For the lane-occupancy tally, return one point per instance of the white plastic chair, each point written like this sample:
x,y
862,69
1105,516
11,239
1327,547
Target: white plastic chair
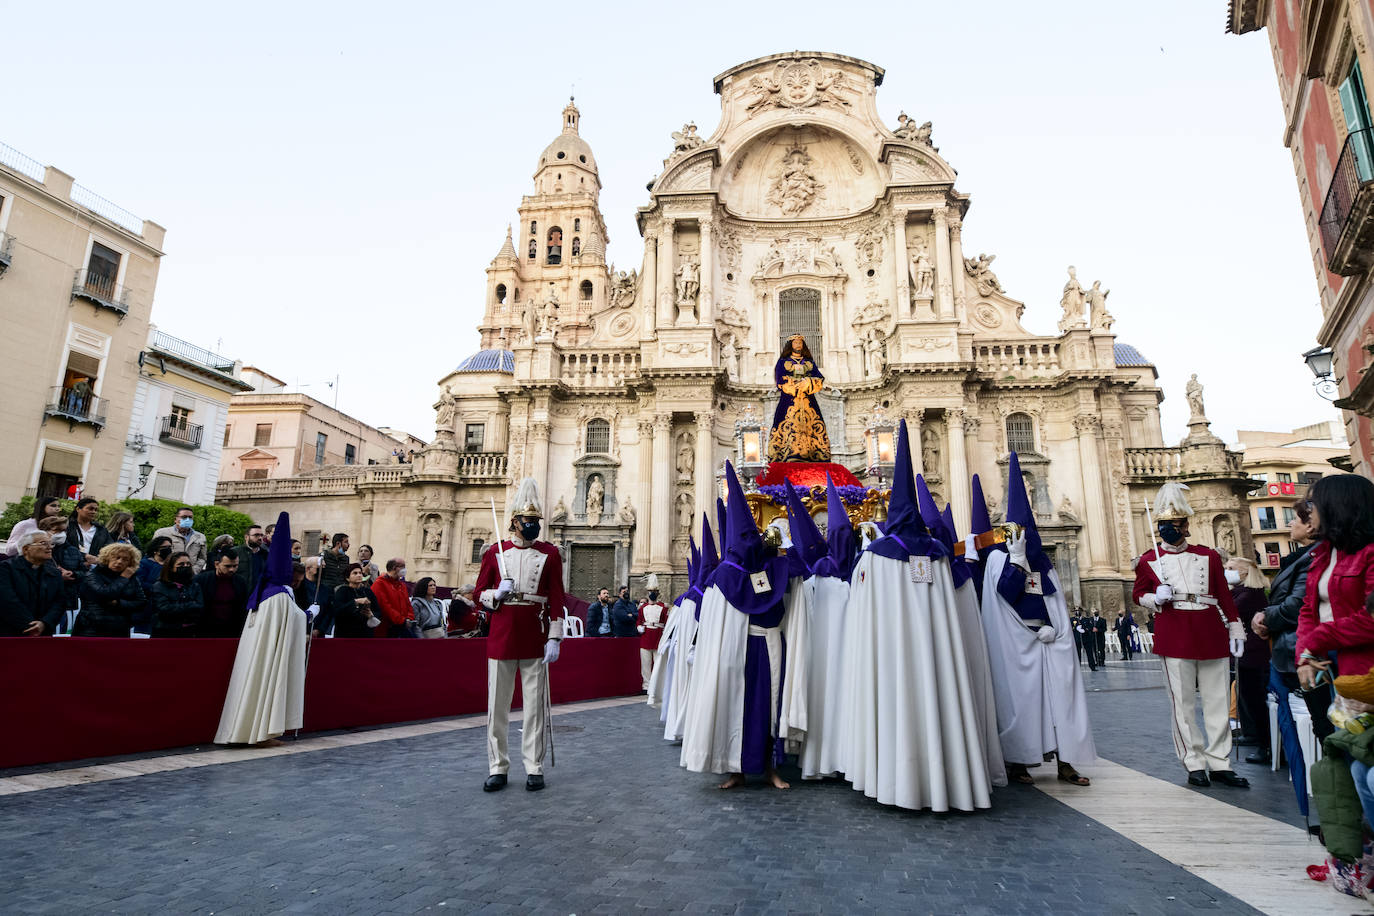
x,y
573,627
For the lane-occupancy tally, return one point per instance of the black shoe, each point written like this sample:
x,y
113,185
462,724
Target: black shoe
x,y
1265,757
495,783
534,782
1245,741
1199,778
1229,778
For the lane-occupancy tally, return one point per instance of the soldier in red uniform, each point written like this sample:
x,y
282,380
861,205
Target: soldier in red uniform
x,y
1196,627
652,615
521,584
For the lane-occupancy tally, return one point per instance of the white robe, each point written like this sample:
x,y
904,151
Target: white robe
x,y
820,755
266,696
713,726
908,705
1040,702
679,671
660,683
980,676
794,716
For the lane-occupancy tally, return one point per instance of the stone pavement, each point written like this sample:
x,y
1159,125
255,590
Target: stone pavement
x,y
394,821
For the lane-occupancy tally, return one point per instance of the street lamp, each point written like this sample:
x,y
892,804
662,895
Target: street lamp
x,y
749,452
145,470
880,437
1320,361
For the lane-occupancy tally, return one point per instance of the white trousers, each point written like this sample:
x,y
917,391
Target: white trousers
x,y
1209,747
646,665
534,680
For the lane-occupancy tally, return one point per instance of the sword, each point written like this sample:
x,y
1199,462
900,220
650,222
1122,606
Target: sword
x,y
500,554
548,712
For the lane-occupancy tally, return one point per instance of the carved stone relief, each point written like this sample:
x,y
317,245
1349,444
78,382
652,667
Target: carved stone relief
x,y
797,84
794,187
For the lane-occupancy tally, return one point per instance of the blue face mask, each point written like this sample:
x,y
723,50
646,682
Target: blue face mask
x,y
184,524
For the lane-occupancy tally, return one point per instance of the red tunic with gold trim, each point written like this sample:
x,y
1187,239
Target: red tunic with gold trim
x,y
1189,626
520,624
652,616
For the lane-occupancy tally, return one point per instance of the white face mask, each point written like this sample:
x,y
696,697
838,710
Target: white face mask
x,y
1233,577
58,539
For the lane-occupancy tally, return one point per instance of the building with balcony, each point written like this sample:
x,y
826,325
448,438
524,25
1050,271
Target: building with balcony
x,y
77,278
176,430
622,392
1287,463
1322,51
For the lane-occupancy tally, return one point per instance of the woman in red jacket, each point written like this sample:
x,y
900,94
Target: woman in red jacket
x,y
1333,617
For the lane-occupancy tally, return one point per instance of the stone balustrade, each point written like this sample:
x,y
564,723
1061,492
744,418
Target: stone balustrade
x,y
482,466
1018,358
1154,462
598,368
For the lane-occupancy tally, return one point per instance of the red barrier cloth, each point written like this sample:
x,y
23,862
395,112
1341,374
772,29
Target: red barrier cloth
x,y
806,474
74,698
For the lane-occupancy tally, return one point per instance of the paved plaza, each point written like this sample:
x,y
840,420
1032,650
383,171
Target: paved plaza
x,y
394,821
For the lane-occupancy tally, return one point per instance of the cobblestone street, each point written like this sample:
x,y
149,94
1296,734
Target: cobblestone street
x,y
397,823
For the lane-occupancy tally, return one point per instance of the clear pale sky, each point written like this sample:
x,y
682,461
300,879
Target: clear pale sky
x,y
335,178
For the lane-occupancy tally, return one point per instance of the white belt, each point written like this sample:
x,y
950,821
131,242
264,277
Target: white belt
x,y
761,631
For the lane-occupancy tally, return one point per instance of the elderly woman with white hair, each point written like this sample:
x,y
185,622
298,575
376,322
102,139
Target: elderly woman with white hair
x,y
110,595
465,618
31,594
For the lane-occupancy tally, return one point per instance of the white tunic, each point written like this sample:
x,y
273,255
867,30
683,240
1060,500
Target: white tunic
x,y
679,670
909,736
266,695
1040,702
820,755
980,678
713,726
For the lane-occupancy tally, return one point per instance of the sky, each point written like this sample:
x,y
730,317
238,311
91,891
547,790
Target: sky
x,y
335,179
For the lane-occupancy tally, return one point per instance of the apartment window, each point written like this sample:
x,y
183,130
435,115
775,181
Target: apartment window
x,y
1265,515
104,264
169,486
474,436
1307,478
1355,107
477,546
180,416
1285,477
1288,516
227,429
255,473
1271,547
350,454
320,440
262,435
77,397
598,437
1020,433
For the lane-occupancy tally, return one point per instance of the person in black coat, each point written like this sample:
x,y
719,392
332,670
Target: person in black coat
x,y
83,531
224,597
599,614
1124,626
1079,627
67,559
625,615
110,595
357,613
176,599
1097,627
32,601
1278,621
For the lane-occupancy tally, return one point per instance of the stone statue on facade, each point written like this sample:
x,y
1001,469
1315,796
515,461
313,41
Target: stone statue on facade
x,y
930,454
623,289
923,275
1072,303
686,140
627,513
1226,535
433,534
596,495
548,315
1193,392
875,352
688,277
980,270
908,130
686,445
560,512
446,410
794,188
729,356
1098,317
684,511
1067,513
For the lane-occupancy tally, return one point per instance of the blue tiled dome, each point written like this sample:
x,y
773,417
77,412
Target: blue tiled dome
x,y
1128,356
488,361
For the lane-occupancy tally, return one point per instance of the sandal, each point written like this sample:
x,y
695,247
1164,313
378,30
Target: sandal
x,y
1073,777
1018,773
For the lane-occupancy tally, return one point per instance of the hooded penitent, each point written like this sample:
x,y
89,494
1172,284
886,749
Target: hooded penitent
x,y
979,525
841,545
693,569
276,578
950,535
707,562
905,535
746,556
1030,607
807,544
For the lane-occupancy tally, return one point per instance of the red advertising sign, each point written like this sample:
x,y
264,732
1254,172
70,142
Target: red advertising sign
x,y
1273,489
1288,489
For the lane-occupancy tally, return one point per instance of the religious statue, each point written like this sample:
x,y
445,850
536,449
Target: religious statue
x,y
980,269
798,431
447,409
1099,318
930,453
627,513
1193,392
684,511
548,315
924,275
1226,535
686,140
596,495
730,356
560,512
685,458
794,188
688,284
874,352
623,289
908,130
1072,303
1067,512
433,534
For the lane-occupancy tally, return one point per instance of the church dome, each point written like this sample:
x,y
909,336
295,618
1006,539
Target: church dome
x,y
568,148
488,361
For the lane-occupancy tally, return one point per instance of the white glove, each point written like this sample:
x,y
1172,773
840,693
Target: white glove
x,y
503,591
1235,630
640,629
970,547
1163,593
1237,647
1148,601
1046,634
374,621
550,651
1016,549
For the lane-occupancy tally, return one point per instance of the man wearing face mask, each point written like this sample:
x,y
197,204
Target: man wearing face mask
x,y
186,539
521,584
1196,628
649,621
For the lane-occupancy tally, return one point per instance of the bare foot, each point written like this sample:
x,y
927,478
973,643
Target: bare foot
x,y
736,779
777,780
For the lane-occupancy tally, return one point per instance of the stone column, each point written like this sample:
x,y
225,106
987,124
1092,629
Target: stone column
x,y
539,459
644,507
661,498
901,307
705,471
944,289
1094,504
958,274
648,283
667,307
705,301
957,488
914,420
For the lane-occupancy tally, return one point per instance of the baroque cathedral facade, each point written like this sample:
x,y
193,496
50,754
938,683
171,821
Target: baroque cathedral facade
x,y
623,392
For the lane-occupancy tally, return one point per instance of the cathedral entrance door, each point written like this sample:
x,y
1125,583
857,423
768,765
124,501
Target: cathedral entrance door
x,y
591,567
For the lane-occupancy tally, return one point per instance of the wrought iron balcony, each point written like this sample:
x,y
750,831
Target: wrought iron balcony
x,y
101,291
76,405
6,252
176,431
1347,220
